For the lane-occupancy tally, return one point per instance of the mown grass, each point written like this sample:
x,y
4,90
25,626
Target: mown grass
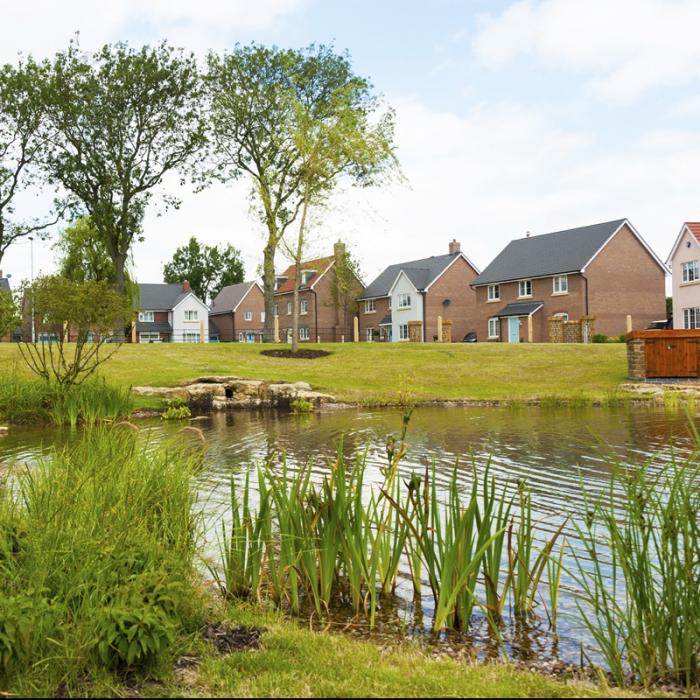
x,y
369,373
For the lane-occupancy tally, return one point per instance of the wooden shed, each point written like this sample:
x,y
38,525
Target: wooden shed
x,y
663,354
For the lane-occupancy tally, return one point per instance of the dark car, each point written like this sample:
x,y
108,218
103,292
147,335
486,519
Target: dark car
x,y
469,338
660,325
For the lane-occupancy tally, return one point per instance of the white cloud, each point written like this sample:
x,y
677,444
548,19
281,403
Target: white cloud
x,y
42,27
624,47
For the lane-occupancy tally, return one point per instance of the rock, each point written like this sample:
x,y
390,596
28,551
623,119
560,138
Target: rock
x,y
4,430
164,392
201,388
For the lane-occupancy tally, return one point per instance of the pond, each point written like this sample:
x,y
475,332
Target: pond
x,y
554,450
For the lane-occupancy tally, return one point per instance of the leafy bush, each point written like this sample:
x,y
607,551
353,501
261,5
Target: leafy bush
x,y
175,409
302,406
600,338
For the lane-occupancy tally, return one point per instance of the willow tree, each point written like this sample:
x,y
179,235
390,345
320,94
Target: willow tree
x,y
259,98
119,121
22,143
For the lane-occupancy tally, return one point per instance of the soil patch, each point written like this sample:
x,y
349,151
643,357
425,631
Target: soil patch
x,y
227,639
304,354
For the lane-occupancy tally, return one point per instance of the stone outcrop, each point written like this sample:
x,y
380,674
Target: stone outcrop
x,y
228,393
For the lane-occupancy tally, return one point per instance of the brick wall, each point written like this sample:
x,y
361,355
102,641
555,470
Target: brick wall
x,y
372,319
636,360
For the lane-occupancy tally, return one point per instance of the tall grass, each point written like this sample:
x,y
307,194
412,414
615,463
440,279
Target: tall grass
x,y
37,401
640,577
97,547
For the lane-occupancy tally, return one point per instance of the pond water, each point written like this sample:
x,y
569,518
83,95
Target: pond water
x,y
553,450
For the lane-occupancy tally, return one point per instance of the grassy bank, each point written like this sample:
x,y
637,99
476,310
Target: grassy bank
x,y
373,373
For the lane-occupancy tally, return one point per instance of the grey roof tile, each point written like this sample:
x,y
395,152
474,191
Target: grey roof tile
x,y
159,297
548,254
520,308
4,284
229,297
154,327
420,272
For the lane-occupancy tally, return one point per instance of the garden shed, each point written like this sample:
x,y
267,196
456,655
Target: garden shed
x,y
663,354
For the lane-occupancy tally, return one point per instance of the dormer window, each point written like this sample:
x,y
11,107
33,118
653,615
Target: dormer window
x,y
525,288
307,276
279,281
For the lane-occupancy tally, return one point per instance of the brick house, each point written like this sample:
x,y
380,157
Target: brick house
x,y
237,313
169,313
5,289
324,313
419,291
605,271
684,262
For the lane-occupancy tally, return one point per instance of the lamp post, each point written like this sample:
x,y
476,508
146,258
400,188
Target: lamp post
x,y
31,277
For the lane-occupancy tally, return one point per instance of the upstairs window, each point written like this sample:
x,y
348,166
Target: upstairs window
x,y
370,306
494,292
560,284
289,308
525,288
191,315
248,316
276,310
304,306
262,316
691,271
307,276
404,301
146,316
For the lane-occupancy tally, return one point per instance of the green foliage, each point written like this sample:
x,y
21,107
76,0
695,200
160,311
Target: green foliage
x,y
10,311
600,338
208,269
97,549
302,406
62,308
175,409
120,120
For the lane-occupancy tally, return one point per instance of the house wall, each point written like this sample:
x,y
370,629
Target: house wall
x,y
572,303
158,317
372,319
453,284
625,279
180,326
400,317
685,294
254,301
225,325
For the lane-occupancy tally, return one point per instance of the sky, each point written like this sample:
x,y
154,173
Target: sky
x,y
512,117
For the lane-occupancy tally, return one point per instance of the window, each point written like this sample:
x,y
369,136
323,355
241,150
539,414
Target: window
x,y
304,306
494,328
190,337
241,338
303,333
562,315
262,317
289,308
404,301
191,315
370,335
277,311
248,316
525,288
403,332
306,276
560,284
691,272
149,337
146,316
494,292
691,317
370,306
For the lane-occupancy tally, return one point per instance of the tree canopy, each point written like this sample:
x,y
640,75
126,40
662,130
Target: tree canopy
x,y
207,268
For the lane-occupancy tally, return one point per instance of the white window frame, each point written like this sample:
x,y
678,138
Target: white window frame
x,y
560,284
149,337
404,301
247,315
691,318
495,327
289,308
276,310
370,335
562,315
191,337
493,292
403,335
262,317
370,306
191,315
303,333
690,271
304,306
524,284
147,316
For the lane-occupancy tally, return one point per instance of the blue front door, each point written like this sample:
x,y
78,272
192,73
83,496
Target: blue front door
x,y
513,329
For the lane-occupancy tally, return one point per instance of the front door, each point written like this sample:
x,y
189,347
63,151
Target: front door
x,y
513,329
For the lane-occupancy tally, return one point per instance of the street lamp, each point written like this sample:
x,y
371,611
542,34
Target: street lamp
x,y
31,277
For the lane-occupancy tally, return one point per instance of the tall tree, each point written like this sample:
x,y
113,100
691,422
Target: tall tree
x,y
82,253
120,120
21,146
257,94
208,269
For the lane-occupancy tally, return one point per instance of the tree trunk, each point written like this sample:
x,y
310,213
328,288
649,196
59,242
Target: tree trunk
x,y
298,254
269,290
119,262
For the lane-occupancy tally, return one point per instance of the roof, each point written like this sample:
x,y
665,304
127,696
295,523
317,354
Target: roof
x,y
320,265
553,253
694,228
520,308
160,297
230,297
4,284
386,321
420,272
157,327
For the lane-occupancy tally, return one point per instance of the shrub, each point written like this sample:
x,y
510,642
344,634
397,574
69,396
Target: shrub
x,y
175,409
302,406
600,338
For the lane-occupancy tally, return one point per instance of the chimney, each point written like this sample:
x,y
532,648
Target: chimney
x,y
339,251
527,234
186,286
455,247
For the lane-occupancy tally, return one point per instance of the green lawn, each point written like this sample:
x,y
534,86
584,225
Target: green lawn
x,y
294,662
374,373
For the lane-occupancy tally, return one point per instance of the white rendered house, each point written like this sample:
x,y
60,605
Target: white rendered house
x,y
684,262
